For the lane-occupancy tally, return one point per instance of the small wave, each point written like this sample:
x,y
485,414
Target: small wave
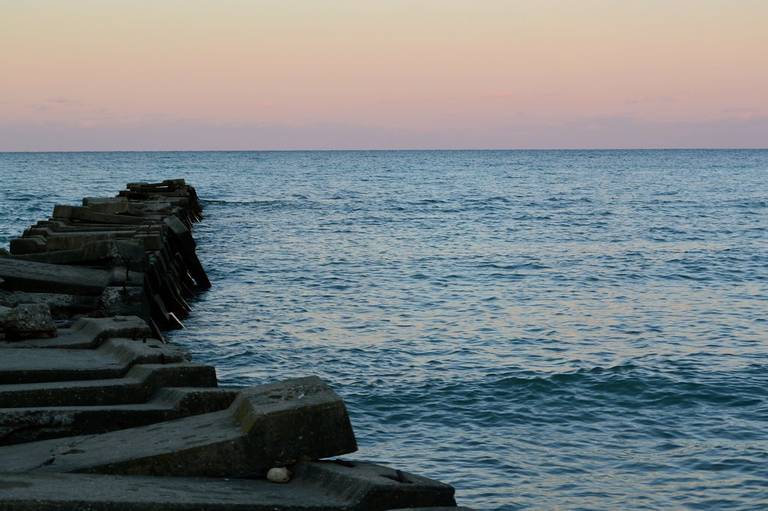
x,y
513,267
262,204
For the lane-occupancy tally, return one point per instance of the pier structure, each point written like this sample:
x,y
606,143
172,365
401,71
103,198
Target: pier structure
x,y
98,412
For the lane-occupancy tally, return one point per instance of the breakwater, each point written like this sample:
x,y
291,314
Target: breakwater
x,y
98,412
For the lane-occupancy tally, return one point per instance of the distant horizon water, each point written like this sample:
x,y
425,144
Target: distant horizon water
x,y
542,329
405,150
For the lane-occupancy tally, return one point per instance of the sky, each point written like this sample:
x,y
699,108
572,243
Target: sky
x,y
384,74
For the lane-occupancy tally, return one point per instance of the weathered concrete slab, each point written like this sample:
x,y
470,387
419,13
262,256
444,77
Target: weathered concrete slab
x,y
20,425
112,359
61,305
137,386
42,239
88,215
90,333
318,486
124,206
109,202
103,253
376,487
66,227
269,425
31,276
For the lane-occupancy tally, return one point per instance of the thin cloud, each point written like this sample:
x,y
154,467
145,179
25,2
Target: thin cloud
x,y
650,100
60,100
620,132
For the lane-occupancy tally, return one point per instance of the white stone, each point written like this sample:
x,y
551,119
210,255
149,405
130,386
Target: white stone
x,y
279,475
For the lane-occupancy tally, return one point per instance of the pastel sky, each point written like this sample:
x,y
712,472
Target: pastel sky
x,y
346,74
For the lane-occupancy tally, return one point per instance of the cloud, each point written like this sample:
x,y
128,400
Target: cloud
x,y
192,135
64,101
54,103
742,112
650,100
590,132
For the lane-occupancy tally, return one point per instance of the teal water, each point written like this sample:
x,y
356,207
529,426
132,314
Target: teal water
x,y
543,329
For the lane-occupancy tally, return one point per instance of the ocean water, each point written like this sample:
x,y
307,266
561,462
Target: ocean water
x,y
543,329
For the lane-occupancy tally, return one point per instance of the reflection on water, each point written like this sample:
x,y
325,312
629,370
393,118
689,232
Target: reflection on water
x,y
544,330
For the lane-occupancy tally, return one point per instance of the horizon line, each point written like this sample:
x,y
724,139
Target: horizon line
x,y
542,149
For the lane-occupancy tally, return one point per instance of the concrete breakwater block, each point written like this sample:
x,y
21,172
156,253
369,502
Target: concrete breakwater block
x,y
32,276
89,333
20,425
48,239
110,360
85,214
138,386
318,486
150,209
99,416
101,253
270,425
138,249
375,486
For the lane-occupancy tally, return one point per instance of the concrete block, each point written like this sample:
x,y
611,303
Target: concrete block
x,y
317,487
87,215
123,206
48,227
31,276
140,383
129,253
111,205
294,420
21,425
90,333
28,245
112,359
375,487
72,237
238,442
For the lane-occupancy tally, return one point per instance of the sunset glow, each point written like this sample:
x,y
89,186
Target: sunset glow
x,y
389,74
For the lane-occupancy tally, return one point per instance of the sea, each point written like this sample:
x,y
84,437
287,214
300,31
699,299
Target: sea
x,y
556,330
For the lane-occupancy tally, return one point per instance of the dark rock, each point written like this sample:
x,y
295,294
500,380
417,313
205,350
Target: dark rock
x,y
61,305
27,320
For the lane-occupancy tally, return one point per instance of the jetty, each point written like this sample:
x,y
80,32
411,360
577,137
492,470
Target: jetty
x,y
99,412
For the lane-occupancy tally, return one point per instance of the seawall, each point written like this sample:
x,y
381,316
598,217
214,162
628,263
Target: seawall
x,y
98,412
